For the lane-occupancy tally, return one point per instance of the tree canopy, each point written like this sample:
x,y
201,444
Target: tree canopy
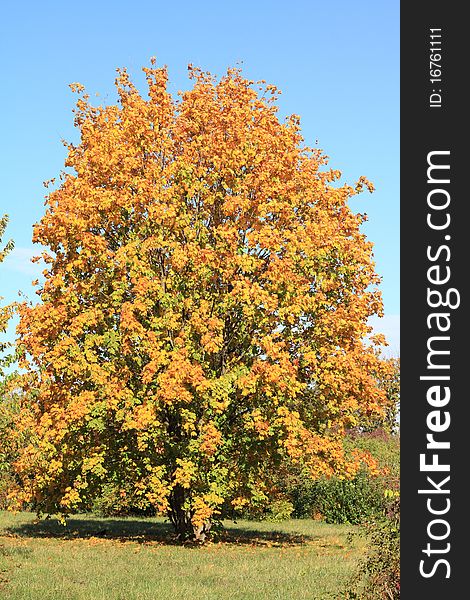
x,y
204,308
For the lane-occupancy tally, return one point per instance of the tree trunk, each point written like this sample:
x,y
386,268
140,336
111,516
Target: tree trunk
x,y
181,518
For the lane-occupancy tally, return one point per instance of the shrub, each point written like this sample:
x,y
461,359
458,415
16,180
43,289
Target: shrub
x,y
347,501
279,510
378,575
339,500
10,441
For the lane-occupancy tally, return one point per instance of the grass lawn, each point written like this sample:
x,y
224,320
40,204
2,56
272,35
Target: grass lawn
x,y
94,558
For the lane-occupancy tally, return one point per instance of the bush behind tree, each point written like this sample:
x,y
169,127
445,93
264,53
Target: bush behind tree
x,y
340,500
378,574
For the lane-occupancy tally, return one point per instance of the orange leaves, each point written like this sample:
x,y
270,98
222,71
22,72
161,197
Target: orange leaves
x,y
202,513
211,439
208,327
203,508
184,473
155,488
175,383
70,499
77,88
256,423
142,418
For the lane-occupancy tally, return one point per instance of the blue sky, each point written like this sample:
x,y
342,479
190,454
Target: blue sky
x,y
336,62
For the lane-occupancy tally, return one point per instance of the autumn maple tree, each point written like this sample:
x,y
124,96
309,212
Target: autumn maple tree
x,y
203,310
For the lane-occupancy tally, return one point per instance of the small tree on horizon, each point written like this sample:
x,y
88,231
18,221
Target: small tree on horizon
x,y
5,311
7,403
204,308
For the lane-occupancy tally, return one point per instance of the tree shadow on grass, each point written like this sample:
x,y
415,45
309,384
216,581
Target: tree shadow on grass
x,y
81,528
148,531
258,537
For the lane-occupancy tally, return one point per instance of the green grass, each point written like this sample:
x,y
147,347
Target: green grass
x,y
94,558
